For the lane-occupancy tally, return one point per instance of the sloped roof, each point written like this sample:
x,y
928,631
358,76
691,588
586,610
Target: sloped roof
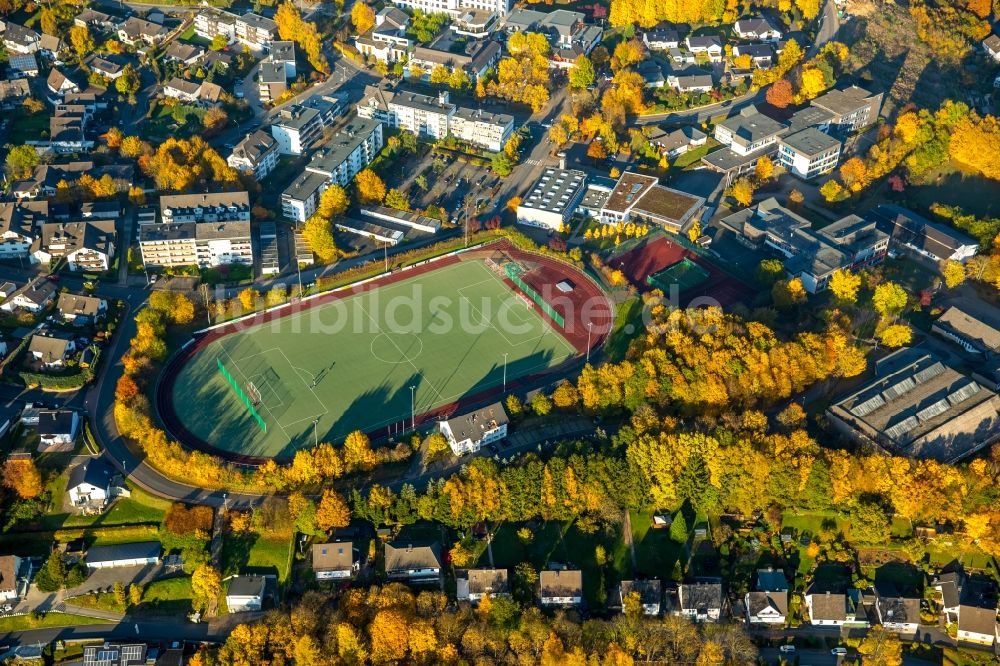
x,y
567,583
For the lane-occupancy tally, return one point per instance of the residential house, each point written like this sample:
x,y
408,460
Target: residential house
x,y
475,23
117,654
757,27
413,562
51,46
245,593
700,602
977,624
678,141
94,20
896,613
810,255
387,41
707,46
13,92
478,583
919,406
18,39
271,81
991,46
640,198
851,108
78,310
257,153
691,79
569,33
59,84
651,73
110,67
761,55
768,602
89,484
809,153
922,238
561,588
45,178
298,126
136,31
662,37
136,554
830,608
67,130
33,297
10,576
51,349
204,93
949,584
468,433
552,200
19,223
334,561
649,593
86,245
284,53
58,427
22,66
337,161
182,53
975,332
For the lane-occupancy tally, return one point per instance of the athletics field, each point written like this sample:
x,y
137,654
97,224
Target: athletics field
x,y
349,364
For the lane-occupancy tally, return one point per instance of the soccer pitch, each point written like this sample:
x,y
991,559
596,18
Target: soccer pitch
x,y
350,364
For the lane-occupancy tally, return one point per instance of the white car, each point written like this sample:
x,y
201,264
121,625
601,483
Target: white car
x,y
839,651
786,649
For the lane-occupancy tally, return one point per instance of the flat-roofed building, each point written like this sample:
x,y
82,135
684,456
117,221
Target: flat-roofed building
x,y
851,108
809,153
552,200
272,81
298,126
919,406
482,128
208,207
640,198
206,244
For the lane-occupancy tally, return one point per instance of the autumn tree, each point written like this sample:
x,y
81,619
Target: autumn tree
x,y
81,41
582,75
292,27
788,293
881,647
597,151
845,285
889,299
332,511
396,199
248,298
854,174
22,476
362,17
357,451
764,169
371,189
21,160
770,271
206,584
953,273
742,191
895,335
318,235
128,82
214,120
333,202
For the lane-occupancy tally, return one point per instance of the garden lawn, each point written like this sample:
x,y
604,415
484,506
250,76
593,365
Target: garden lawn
x,y
104,601
693,156
655,552
139,509
167,597
26,622
256,554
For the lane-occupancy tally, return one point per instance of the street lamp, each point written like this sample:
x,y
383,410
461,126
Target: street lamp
x,y
315,435
505,372
413,408
590,329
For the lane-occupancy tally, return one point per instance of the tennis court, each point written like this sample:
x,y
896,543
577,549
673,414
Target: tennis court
x,y
685,274
350,364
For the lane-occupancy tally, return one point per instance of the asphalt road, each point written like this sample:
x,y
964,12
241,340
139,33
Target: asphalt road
x,y
161,630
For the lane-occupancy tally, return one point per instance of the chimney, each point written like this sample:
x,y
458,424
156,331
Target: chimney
x,y
562,159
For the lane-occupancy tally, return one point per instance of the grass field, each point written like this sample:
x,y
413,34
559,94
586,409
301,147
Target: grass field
x,y
351,364
26,622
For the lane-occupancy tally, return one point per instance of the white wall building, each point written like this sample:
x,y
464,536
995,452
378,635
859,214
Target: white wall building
x,y
551,201
470,432
809,153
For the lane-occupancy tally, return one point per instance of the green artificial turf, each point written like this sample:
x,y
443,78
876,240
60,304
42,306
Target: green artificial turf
x,y
349,364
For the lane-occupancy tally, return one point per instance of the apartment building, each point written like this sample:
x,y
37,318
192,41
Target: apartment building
x,y
19,224
272,81
299,126
850,109
568,32
257,153
256,31
435,117
212,22
208,207
387,41
455,8
350,150
251,29
206,244
87,245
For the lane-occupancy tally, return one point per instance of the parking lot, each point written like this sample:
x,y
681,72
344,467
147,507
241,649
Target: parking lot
x,y
448,181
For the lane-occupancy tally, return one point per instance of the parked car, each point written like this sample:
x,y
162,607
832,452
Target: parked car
x,y
839,651
786,649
